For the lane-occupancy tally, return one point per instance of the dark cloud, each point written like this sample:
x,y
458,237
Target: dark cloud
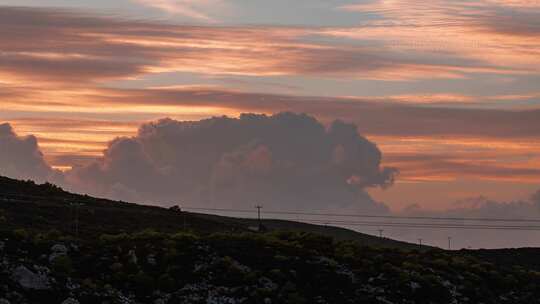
x,y
284,161
514,20
20,157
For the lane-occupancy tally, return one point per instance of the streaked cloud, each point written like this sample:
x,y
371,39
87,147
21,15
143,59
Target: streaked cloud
x,y
93,48
195,9
452,84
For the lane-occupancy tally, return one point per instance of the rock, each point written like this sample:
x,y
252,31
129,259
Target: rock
x,y
70,285
31,280
57,250
414,285
151,260
133,257
2,246
4,301
267,301
70,301
267,284
74,247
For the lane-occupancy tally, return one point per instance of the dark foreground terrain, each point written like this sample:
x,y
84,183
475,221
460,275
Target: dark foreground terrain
x,y
124,253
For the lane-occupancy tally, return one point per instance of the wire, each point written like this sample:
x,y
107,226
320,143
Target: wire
x,y
411,224
480,219
428,225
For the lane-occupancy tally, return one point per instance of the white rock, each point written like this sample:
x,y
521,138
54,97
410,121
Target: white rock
x,y
151,260
267,284
70,301
414,285
133,257
31,280
57,251
59,248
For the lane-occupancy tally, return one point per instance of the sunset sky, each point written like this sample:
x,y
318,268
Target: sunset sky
x,y
449,90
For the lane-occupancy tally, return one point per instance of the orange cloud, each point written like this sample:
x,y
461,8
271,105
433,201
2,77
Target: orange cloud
x,y
194,9
73,48
489,32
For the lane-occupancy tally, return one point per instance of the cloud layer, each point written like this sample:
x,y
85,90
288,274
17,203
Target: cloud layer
x,y
63,46
285,160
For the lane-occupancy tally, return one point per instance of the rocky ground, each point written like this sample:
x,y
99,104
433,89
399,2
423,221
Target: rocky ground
x,y
279,267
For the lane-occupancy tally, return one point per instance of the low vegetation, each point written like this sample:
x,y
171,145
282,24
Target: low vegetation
x,y
125,253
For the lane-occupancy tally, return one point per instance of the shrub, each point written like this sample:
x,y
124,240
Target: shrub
x,y
146,235
185,237
113,238
62,265
143,283
21,234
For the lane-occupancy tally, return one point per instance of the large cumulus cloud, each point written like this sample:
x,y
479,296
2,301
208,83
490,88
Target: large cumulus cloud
x,y
285,160
20,157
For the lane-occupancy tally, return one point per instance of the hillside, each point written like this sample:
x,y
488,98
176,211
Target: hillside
x,y
337,233
45,207
128,253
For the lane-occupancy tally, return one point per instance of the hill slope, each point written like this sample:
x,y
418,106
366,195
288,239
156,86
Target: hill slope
x,y
338,233
117,258
45,207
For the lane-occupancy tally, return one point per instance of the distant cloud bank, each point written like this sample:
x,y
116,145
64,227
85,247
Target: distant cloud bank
x,y
285,161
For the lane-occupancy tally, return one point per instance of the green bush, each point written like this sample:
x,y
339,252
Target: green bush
x,y
21,234
62,265
143,283
113,238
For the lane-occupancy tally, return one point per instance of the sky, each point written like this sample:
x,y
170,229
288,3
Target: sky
x,y
447,90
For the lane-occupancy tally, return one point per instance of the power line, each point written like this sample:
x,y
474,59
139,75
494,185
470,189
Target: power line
x,y
430,225
427,224
410,224
371,215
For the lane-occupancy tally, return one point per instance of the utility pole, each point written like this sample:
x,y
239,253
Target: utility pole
x,y
259,207
420,242
381,233
449,243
